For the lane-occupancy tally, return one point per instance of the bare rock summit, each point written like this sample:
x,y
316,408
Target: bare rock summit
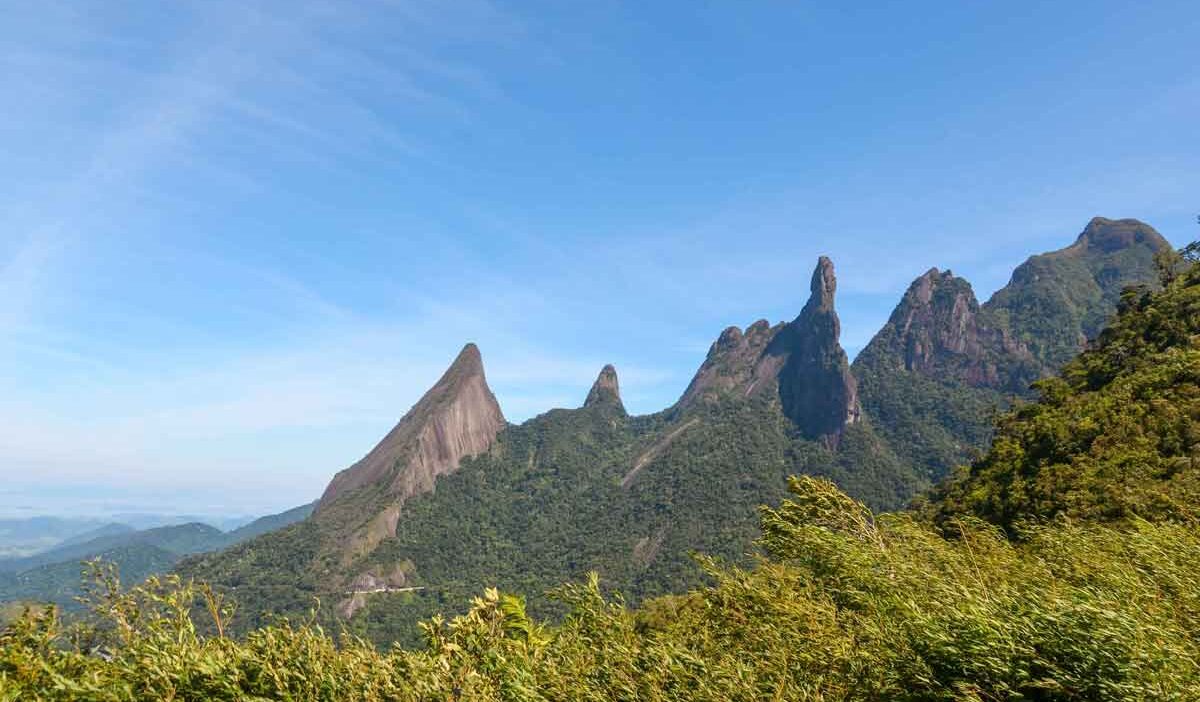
x,y
606,391
458,417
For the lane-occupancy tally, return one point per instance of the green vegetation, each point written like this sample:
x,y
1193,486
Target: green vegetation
x,y
558,497
943,366
845,606
60,582
1063,565
1058,300
53,575
933,424
1115,437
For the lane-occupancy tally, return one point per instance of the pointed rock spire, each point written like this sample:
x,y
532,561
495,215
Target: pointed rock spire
x,y
823,286
818,392
456,418
606,391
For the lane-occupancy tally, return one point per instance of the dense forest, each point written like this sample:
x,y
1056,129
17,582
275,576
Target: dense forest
x,y
1064,564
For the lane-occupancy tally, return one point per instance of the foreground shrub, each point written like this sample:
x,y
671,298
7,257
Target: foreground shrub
x,y
845,605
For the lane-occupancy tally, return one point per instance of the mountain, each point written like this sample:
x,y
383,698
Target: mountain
x,y
25,536
941,367
269,523
1057,301
572,490
1114,437
801,361
110,529
53,575
179,539
606,391
60,583
458,417
454,498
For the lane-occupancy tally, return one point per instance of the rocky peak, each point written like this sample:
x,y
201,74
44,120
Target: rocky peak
x,y
606,391
735,364
456,418
937,330
1108,235
1057,300
823,286
818,392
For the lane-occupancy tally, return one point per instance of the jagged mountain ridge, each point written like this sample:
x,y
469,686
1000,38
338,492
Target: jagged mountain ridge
x,y
802,361
941,367
590,488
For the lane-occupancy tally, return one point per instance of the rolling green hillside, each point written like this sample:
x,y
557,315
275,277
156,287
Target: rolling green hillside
x,y
54,575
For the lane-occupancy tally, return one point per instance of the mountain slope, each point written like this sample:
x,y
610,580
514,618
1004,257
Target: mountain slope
x,y
942,366
1056,301
1114,436
586,489
458,417
269,523
60,583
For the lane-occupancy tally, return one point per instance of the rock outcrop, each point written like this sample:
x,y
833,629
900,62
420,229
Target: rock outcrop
x,y
737,364
939,331
818,392
457,418
606,391
802,361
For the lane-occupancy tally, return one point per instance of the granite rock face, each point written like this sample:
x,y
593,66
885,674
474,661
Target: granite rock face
x,y
736,363
458,417
818,392
938,330
801,361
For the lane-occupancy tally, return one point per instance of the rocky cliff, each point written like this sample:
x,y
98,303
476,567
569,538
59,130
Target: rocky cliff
x,y
818,392
938,330
458,417
801,361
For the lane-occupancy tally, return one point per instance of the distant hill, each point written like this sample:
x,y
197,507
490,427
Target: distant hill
x,y
269,523
180,539
53,575
111,529
61,583
21,537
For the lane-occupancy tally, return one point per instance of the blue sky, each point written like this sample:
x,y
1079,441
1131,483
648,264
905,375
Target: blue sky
x,y
238,239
